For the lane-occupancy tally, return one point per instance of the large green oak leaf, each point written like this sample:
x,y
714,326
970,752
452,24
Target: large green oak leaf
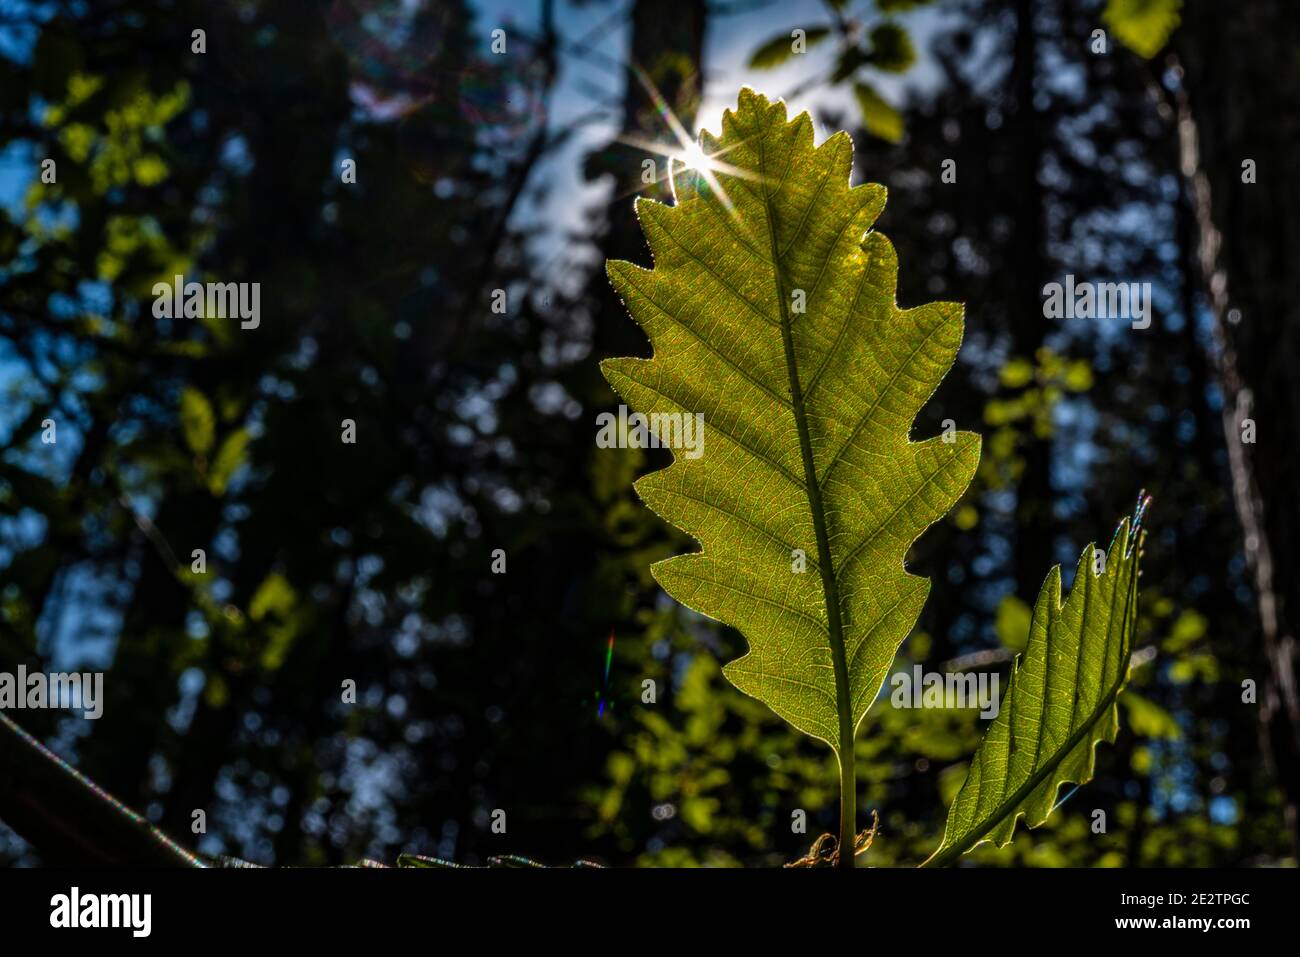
x,y
771,310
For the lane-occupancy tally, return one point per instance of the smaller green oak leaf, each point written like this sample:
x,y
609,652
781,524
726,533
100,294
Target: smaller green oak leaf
x,y
1060,702
771,311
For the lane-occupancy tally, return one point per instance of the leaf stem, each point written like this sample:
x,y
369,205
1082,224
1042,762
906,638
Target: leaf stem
x,y
847,847
830,589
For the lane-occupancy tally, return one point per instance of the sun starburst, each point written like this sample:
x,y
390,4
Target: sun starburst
x,y
686,150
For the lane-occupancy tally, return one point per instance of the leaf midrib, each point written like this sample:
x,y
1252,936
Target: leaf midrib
x,y
830,588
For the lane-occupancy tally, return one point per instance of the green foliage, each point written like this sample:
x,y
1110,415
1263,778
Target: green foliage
x,y
1012,624
1024,411
120,152
781,47
886,48
1060,703
197,421
229,459
878,117
891,48
1148,719
1144,26
732,771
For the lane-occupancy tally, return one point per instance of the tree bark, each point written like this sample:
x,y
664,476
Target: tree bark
x,y
1035,527
1230,109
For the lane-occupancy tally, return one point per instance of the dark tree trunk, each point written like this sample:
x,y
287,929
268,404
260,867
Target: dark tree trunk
x,y
1034,522
669,49
1232,109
